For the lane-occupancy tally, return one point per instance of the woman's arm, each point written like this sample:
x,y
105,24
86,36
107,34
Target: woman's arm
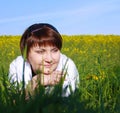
x,y
47,80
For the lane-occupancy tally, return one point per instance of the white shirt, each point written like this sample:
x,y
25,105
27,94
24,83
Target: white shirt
x,y
72,76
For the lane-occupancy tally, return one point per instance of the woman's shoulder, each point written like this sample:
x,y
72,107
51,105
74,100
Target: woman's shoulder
x,y
17,60
66,59
69,64
70,67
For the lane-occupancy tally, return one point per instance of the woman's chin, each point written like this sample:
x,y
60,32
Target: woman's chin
x,y
47,72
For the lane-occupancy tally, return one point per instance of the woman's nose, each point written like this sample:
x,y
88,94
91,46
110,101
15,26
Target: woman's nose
x,y
48,57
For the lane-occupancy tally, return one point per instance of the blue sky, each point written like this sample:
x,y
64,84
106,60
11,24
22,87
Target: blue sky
x,y
71,17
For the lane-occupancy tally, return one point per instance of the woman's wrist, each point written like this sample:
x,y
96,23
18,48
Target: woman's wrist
x,y
45,80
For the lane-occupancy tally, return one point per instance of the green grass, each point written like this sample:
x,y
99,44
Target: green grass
x,y
98,61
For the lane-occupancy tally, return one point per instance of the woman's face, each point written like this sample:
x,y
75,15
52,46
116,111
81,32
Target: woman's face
x,y
44,58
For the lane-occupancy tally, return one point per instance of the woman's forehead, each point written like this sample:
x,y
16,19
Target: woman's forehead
x,y
44,46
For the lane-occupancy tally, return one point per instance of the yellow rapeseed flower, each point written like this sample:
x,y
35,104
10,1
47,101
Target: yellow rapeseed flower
x,y
95,77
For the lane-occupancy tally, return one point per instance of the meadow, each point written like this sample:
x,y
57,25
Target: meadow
x,y
97,58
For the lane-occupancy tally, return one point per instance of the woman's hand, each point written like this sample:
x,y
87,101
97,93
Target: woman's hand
x,y
52,79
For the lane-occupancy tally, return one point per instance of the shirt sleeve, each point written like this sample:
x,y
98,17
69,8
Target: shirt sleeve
x,y
71,82
15,70
12,72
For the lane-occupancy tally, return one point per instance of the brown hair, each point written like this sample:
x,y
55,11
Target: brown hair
x,y
40,34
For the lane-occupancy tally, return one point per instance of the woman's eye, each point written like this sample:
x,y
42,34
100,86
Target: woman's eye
x,y
55,50
40,52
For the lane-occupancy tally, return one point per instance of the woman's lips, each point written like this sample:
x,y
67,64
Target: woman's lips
x,y
47,66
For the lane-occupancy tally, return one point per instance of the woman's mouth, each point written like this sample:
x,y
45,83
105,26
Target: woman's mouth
x,y
48,66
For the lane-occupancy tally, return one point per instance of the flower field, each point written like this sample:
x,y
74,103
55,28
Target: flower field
x,y
97,58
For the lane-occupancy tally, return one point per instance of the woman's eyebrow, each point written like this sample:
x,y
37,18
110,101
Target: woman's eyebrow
x,y
41,49
54,48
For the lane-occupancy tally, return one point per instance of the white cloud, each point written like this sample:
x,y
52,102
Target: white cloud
x,y
88,10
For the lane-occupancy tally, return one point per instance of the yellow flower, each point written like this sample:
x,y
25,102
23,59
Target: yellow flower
x,y
95,77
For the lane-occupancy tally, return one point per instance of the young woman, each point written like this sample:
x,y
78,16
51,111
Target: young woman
x,y
40,47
